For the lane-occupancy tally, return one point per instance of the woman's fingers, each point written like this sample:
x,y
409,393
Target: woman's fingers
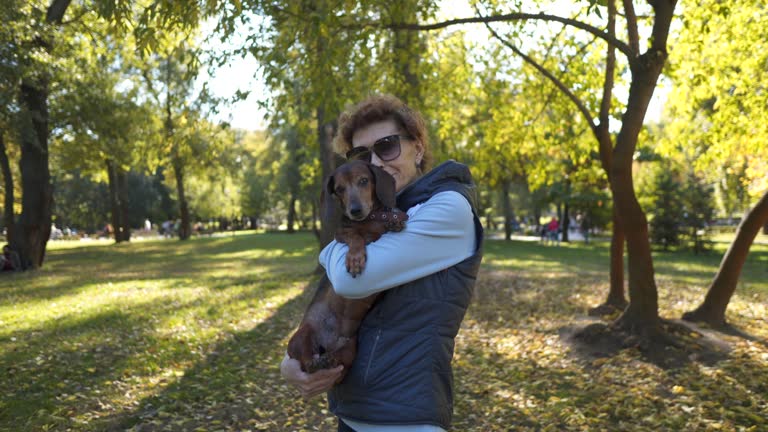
x,y
309,385
319,382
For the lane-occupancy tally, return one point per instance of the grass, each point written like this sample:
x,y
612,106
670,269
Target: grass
x,y
164,335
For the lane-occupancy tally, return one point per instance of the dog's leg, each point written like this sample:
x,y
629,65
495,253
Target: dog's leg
x,y
302,346
356,255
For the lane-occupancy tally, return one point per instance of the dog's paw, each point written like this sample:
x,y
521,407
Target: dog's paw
x,y
355,263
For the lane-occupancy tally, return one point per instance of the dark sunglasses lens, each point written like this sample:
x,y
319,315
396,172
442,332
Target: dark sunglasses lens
x,y
359,153
387,148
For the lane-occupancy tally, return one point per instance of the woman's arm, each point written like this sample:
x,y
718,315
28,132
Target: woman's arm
x,y
439,233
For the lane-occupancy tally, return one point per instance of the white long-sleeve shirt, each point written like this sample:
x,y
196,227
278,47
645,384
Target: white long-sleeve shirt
x,y
439,234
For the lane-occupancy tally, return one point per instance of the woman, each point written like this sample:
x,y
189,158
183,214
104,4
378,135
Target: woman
x,y
401,380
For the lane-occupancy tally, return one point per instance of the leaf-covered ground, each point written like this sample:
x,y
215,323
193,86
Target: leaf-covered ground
x,y
163,335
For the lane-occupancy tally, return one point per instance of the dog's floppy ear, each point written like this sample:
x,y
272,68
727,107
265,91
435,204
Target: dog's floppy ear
x,y
385,186
328,203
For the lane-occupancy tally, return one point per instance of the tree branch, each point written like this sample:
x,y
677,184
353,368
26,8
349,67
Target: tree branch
x,y
149,80
56,10
604,141
634,39
621,46
77,18
559,84
552,93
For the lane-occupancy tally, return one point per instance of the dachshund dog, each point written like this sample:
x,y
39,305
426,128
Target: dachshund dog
x,y
365,196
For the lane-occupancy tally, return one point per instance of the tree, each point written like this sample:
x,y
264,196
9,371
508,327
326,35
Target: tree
x,y
187,141
645,65
716,106
586,102
665,204
256,179
303,44
698,209
81,202
37,32
100,130
9,73
38,40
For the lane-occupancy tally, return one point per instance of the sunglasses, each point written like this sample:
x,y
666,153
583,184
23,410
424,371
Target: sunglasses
x,y
387,149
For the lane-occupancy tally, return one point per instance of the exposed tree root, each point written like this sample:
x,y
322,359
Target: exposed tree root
x,y
667,344
607,309
704,316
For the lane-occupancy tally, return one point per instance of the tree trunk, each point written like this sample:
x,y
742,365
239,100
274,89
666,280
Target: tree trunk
x,y
33,230
178,168
407,49
325,132
616,296
566,224
642,314
315,227
293,177
5,167
122,197
507,205
114,201
178,171
34,227
712,310
291,213
616,299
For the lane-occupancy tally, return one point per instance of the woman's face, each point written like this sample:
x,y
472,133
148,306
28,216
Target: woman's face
x,y
404,167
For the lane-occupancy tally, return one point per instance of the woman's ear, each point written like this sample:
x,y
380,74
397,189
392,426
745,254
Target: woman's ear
x,y
419,152
385,186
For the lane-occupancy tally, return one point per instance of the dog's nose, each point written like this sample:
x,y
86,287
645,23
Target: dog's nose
x,y
356,210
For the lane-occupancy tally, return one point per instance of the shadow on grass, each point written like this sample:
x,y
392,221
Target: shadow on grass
x,y
43,384
123,348
237,386
510,299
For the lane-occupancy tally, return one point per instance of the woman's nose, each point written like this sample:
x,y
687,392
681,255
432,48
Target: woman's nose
x,y
376,161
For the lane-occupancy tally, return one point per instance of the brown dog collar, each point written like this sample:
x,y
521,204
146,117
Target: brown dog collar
x,y
394,219
388,215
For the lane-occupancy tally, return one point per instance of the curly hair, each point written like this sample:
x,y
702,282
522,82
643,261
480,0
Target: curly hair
x,y
379,108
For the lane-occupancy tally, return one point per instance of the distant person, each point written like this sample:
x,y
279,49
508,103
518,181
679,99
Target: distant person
x,y
166,229
55,232
9,260
585,228
147,225
553,229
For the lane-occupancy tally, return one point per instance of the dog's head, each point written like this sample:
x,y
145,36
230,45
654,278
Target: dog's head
x,y
358,188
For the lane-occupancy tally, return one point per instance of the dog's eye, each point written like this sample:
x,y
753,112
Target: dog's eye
x,y
339,190
363,181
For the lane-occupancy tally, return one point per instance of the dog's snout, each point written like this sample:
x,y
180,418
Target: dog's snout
x,y
356,210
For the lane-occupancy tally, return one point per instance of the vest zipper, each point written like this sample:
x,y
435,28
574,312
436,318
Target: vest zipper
x,y
370,359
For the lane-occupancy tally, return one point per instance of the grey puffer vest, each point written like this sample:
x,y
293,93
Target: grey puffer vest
x,y
402,373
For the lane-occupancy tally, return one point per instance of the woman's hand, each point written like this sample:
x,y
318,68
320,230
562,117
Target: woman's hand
x,y
309,385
